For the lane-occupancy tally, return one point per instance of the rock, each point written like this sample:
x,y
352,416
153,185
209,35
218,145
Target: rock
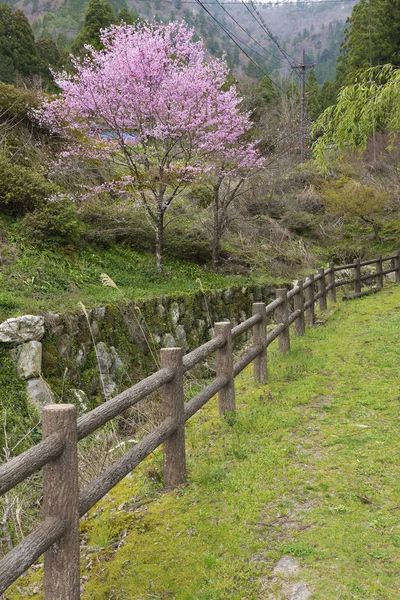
x,y
22,329
81,356
79,397
169,341
300,592
104,358
40,392
181,337
64,346
287,565
29,362
117,363
174,312
100,313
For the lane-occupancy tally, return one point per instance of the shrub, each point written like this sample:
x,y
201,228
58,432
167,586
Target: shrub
x,y
21,189
187,244
56,222
300,222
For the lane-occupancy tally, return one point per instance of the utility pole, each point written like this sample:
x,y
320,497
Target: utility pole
x,y
303,69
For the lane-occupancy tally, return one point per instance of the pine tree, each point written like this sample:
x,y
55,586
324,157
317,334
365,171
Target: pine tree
x,y
99,15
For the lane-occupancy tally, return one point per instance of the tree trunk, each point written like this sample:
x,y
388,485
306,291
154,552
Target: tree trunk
x,y
160,242
216,238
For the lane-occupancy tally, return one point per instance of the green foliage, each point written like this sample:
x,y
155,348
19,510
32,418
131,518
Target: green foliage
x,y
300,222
49,52
20,55
373,37
22,189
17,417
371,104
56,222
313,106
99,15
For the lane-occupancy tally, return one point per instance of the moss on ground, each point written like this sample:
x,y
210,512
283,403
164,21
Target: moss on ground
x,y
307,466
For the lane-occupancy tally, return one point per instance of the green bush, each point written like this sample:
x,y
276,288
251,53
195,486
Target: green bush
x,y
187,244
21,189
56,222
300,222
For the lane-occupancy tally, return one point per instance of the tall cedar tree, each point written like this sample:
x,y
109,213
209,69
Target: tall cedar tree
x,y
313,106
372,39
99,15
18,51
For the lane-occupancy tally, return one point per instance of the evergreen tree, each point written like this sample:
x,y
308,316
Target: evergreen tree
x,y
7,69
18,51
313,106
328,94
267,91
127,17
373,38
48,51
99,15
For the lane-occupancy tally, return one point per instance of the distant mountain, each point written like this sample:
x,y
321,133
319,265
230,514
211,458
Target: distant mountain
x,y
318,27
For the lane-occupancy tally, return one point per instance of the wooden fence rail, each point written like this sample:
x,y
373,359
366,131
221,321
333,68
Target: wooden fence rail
x,y
57,537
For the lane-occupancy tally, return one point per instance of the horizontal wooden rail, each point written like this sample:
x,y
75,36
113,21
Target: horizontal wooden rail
x,y
198,401
247,359
99,416
193,358
57,453
345,267
245,325
19,468
26,553
294,315
103,483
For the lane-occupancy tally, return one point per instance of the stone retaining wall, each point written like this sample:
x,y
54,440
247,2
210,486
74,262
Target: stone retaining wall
x,y
61,355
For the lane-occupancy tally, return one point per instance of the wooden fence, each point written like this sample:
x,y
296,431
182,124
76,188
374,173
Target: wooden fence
x,y
57,537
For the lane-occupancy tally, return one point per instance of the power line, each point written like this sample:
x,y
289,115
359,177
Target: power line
x,y
230,35
221,4
269,33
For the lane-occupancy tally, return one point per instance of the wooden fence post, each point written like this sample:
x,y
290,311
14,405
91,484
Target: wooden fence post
x,y
322,289
260,337
173,405
357,276
298,302
397,267
224,365
379,272
332,283
61,500
309,296
282,316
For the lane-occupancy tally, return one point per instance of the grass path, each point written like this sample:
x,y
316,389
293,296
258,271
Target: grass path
x,y
308,466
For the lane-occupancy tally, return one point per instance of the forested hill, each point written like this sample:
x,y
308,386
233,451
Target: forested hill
x,y
316,26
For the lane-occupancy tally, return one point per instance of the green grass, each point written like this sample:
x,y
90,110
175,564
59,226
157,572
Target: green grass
x,y
39,280
308,466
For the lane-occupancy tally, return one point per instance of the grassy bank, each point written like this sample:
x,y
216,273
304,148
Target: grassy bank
x,y
308,466
35,281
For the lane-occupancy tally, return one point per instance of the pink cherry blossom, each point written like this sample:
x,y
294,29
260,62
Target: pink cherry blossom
x,y
154,102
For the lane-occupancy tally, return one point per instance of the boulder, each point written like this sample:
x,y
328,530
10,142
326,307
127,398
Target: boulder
x,y
22,329
29,361
40,392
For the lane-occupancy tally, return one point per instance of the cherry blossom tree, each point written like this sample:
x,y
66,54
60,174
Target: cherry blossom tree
x,y
152,102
